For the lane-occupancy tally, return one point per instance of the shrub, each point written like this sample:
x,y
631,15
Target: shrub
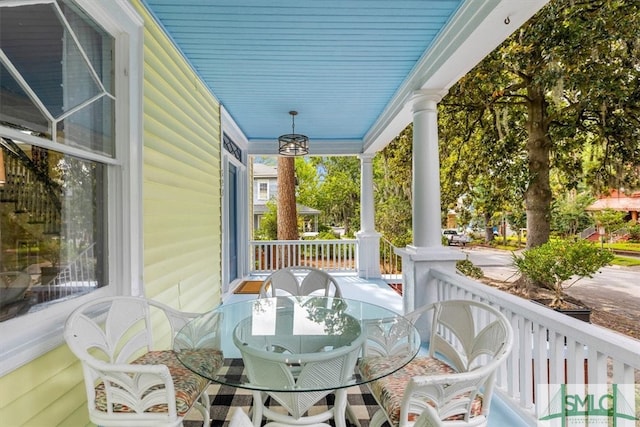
x,y
550,265
467,268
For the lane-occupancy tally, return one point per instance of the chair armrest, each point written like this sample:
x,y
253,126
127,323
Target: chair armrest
x,y
449,378
177,319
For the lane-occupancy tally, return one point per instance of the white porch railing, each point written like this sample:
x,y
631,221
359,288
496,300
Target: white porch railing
x,y
390,262
330,255
550,347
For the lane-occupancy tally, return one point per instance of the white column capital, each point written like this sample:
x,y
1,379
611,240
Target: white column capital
x,y
427,99
366,157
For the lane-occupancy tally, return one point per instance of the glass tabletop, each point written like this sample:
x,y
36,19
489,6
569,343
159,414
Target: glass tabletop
x,y
276,344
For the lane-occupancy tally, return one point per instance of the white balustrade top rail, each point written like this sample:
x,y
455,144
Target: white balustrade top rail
x,y
550,347
330,255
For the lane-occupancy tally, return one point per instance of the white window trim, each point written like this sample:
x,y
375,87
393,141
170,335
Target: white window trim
x,y
24,338
232,130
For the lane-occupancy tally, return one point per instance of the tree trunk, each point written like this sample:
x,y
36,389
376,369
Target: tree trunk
x,y
287,215
488,228
538,193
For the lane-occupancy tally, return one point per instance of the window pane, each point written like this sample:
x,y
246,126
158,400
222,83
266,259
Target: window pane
x,y
67,68
52,216
17,109
31,37
263,190
90,128
95,42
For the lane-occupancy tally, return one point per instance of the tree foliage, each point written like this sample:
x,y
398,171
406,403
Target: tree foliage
x,y
610,220
339,191
561,93
392,177
569,216
268,229
553,263
307,182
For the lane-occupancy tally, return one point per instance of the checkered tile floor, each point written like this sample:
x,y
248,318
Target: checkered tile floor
x,y
225,398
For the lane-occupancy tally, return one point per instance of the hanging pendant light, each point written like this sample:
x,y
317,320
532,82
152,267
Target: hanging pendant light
x,y
293,144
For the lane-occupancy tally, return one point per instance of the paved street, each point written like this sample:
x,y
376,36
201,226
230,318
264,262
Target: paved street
x,y
614,288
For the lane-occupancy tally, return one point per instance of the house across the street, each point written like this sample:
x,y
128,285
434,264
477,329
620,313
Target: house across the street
x,y
265,188
621,202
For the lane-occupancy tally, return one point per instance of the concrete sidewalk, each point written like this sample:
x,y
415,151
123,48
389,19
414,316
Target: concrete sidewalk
x,y
495,264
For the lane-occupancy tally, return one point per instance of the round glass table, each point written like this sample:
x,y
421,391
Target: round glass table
x,y
277,344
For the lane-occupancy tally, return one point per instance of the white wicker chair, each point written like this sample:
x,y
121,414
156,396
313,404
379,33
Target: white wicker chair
x,y
299,281
453,385
127,381
317,371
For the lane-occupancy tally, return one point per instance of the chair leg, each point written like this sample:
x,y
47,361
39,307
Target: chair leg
x,y
351,416
204,406
339,408
257,408
378,419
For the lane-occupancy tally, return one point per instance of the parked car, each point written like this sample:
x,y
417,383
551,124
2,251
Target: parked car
x,y
453,237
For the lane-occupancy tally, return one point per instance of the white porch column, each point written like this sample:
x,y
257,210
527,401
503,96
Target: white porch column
x,y
368,238
426,170
427,250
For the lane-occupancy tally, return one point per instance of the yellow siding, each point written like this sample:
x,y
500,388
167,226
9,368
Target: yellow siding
x,y
181,220
46,392
181,190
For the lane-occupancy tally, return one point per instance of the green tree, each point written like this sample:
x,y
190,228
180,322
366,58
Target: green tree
x,y
634,233
268,228
308,182
568,213
609,219
392,177
517,219
339,191
566,83
482,163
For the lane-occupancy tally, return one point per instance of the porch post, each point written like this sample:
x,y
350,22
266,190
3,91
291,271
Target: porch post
x,y
426,170
368,239
427,250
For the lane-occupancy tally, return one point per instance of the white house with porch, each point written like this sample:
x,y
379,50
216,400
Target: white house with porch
x,y
128,126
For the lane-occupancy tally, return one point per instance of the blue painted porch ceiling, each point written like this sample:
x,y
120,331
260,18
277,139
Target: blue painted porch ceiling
x,y
337,62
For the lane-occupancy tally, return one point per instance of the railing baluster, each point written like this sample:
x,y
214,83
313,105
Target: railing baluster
x,y
596,368
540,357
526,368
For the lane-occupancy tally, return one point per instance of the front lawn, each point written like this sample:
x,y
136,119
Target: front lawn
x,y
624,246
626,261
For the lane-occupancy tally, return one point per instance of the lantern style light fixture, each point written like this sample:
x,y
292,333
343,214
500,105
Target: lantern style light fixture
x,y
293,144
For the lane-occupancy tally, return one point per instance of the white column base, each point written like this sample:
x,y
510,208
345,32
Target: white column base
x,y
368,254
416,263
